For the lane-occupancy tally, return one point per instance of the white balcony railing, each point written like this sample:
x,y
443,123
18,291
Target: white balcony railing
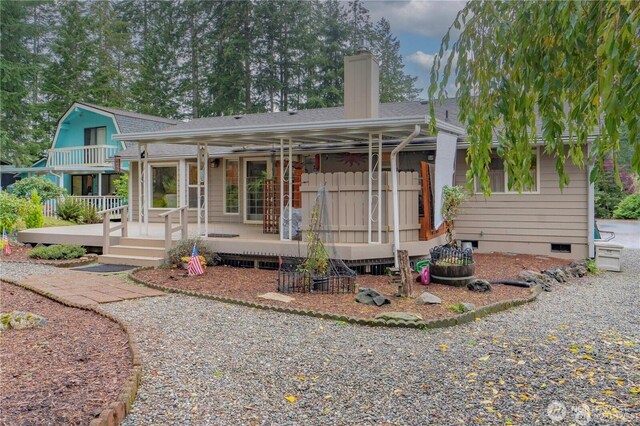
x,y
99,202
92,155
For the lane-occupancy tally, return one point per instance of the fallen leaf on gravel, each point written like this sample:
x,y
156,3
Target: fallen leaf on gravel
x,y
290,398
635,391
484,358
443,347
587,357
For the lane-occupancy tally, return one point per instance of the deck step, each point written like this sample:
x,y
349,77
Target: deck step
x,y
142,242
130,250
144,261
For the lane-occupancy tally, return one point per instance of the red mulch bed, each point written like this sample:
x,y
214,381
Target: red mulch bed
x,y
63,373
247,284
21,254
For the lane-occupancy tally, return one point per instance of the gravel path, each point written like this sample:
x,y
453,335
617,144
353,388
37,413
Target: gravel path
x,y
576,350
17,271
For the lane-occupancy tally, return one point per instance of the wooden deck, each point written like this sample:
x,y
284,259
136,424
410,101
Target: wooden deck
x,y
250,241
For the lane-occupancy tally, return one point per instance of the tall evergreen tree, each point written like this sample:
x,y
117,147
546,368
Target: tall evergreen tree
x,y
67,78
395,85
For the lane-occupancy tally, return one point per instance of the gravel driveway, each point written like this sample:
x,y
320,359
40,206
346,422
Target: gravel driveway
x,y
572,356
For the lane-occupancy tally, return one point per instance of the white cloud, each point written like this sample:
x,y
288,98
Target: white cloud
x,y
427,18
425,62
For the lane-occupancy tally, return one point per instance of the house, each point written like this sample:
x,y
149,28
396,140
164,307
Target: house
x,y
353,152
81,157
247,185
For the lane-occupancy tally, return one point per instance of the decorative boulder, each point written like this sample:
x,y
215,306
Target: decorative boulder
x,y
404,316
369,296
468,306
428,299
479,285
18,320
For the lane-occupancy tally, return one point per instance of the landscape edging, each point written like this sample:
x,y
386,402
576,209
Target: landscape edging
x,y
459,319
116,410
70,264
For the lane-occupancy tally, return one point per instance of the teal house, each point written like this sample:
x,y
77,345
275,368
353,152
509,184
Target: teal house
x,y
81,157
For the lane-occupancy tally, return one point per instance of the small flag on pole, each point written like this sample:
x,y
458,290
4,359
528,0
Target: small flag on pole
x,y
6,248
194,267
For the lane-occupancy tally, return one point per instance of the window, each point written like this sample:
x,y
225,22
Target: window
x,y
108,183
164,186
231,186
256,173
95,136
82,185
192,186
499,178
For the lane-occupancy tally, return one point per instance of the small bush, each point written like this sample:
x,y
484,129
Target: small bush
x,y
629,208
184,248
34,218
46,188
58,251
12,209
89,214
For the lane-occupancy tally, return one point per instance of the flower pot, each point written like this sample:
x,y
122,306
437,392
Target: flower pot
x,y
455,275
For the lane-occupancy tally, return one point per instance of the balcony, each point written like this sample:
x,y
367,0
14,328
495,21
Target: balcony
x,y
93,155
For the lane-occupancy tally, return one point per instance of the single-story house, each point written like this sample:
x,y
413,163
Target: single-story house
x,y
247,183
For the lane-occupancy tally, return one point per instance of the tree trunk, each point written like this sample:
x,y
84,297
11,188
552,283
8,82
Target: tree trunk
x,y
406,279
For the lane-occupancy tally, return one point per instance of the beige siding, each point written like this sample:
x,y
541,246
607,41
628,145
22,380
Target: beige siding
x,y
528,223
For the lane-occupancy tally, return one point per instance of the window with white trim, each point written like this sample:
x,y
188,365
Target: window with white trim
x,y
164,186
499,178
193,185
231,186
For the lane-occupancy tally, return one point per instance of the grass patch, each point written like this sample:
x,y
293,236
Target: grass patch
x,y
52,221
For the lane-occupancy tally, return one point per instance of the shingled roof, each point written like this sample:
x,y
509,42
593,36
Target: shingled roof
x,y
131,122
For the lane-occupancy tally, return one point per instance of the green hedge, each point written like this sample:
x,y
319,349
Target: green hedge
x,y
58,251
629,208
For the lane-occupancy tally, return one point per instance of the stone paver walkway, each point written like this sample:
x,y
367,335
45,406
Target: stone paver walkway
x,y
86,288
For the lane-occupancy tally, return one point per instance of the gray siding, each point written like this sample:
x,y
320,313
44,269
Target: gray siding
x,y
528,223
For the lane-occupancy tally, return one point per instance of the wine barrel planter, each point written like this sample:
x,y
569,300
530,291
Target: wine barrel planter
x,y
455,275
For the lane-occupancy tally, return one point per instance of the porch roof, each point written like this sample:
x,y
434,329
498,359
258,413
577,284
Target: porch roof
x,y
66,169
319,126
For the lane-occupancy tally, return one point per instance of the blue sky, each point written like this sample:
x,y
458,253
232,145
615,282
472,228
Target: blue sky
x,y
420,26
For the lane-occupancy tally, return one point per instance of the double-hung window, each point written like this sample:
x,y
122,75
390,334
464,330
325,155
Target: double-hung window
x,y
499,178
231,186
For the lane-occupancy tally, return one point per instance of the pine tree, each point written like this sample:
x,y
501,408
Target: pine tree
x,y
395,85
67,77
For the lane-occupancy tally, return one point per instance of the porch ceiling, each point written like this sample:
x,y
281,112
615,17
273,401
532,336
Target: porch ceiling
x,y
328,132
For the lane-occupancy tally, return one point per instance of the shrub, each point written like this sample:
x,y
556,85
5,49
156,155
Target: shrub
x,y
607,194
122,187
12,208
629,208
185,247
58,251
34,218
45,188
452,199
70,209
76,211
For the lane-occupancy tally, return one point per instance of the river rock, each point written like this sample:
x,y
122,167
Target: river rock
x,y
369,296
479,285
404,316
19,320
428,299
468,306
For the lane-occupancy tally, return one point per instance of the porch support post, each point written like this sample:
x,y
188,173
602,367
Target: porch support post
x,y
280,225
374,175
394,188
145,188
290,176
199,169
591,215
205,186
100,184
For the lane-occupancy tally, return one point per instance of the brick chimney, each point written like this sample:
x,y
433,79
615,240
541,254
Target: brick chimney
x,y
361,86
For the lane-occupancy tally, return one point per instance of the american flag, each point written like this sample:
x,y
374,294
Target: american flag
x,y
6,248
194,267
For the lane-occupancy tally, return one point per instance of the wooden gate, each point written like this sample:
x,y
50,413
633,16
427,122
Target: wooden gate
x,y
426,217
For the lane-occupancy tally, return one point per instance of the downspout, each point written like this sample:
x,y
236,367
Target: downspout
x,y
394,188
591,215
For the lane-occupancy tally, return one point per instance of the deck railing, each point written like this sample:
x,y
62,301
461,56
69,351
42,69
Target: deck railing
x,y
92,155
107,229
99,202
169,229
